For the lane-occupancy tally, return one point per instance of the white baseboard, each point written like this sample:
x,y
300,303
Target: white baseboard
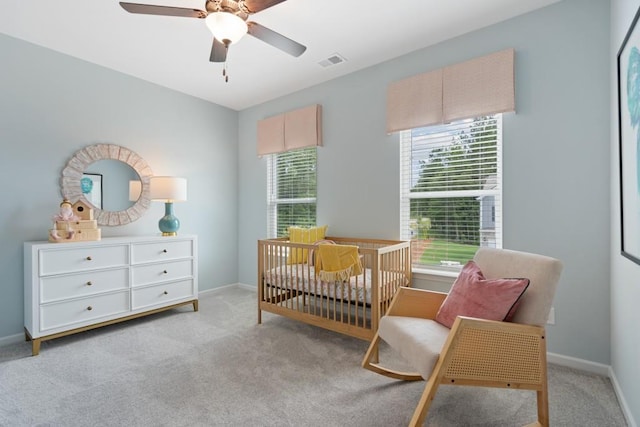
x,y
11,339
599,369
214,290
233,285
581,364
621,400
247,287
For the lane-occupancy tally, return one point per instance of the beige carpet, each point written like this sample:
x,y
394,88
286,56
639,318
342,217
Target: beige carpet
x,y
217,367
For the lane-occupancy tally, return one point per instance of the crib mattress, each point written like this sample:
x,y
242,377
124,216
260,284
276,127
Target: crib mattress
x,y
302,278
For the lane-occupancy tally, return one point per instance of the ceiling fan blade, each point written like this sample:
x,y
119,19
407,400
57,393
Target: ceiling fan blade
x,y
254,6
149,9
275,39
218,51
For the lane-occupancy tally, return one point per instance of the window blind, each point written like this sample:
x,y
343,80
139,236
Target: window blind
x,y
451,190
291,190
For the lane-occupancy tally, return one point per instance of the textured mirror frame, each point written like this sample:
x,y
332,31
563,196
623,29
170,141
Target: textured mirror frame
x,y
72,174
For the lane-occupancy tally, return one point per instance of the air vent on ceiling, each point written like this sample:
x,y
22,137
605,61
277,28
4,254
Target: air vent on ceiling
x,y
334,59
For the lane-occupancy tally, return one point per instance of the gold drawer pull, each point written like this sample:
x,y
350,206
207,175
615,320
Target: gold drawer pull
x,y
89,258
89,308
89,283
166,293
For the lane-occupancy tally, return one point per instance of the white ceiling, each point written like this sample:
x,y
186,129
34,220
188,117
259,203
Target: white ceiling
x,y
174,52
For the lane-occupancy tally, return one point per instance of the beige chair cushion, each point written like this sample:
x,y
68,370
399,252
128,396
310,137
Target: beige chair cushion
x,y
543,273
419,341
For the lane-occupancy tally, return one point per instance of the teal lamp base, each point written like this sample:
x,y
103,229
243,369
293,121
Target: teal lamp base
x,y
169,224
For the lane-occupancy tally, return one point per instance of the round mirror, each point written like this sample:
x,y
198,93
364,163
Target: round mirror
x,y
111,192
106,176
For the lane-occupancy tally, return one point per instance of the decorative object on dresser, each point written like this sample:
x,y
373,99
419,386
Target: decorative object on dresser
x,y
116,166
84,285
168,189
74,223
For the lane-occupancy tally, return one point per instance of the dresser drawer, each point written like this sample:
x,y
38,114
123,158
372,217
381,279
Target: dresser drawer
x,y
83,284
162,251
81,311
161,272
65,260
162,294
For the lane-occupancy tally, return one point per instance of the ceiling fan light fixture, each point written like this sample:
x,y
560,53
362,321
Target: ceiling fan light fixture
x,y
226,26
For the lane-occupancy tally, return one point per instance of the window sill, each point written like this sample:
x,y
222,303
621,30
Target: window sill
x,y
427,273
433,279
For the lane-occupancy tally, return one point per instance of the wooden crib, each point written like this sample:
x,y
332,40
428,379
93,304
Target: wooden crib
x,y
351,307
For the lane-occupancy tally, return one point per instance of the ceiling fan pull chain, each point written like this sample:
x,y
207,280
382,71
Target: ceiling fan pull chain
x,y
224,67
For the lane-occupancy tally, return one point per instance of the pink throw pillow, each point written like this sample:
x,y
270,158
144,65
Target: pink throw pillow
x,y
474,296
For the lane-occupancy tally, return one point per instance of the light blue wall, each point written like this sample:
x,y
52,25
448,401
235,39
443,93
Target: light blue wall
x,y
559,170
625,277
556,151
52,105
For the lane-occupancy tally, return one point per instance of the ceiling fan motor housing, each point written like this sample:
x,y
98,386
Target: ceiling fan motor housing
x,y
237,8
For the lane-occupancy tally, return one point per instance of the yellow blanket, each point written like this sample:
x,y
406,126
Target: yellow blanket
x,y
337,262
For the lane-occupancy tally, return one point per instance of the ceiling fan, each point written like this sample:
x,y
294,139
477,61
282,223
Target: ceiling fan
x,y
227,20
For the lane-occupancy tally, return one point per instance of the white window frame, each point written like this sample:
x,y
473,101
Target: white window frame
x,y
406,195
272,197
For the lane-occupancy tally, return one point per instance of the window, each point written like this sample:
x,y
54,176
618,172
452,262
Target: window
x,y
451,191
291,190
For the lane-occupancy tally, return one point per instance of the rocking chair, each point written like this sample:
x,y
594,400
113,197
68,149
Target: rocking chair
x,y
474,352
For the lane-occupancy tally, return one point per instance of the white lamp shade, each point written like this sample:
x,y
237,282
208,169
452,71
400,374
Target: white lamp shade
x,y
135,188
226,26
168,188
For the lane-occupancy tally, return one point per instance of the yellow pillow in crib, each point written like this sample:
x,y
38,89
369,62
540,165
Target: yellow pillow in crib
x,y
304,235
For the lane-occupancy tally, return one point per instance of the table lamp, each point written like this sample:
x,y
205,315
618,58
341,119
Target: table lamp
x,y
168,189
135,189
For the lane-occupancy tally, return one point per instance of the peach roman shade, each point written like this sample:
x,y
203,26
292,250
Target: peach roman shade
x,y
289,131
271,135
415,101
480,86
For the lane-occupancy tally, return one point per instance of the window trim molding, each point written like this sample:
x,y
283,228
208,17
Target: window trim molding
x,y
272,199
406,195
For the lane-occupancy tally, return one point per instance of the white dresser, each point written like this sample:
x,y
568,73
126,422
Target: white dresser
x,y
73,287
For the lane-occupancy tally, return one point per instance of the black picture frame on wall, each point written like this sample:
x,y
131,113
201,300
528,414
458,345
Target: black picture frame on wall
x,y
628,65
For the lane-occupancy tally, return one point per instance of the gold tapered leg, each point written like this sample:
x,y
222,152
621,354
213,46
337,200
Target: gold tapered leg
x,y
195,305
35,347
